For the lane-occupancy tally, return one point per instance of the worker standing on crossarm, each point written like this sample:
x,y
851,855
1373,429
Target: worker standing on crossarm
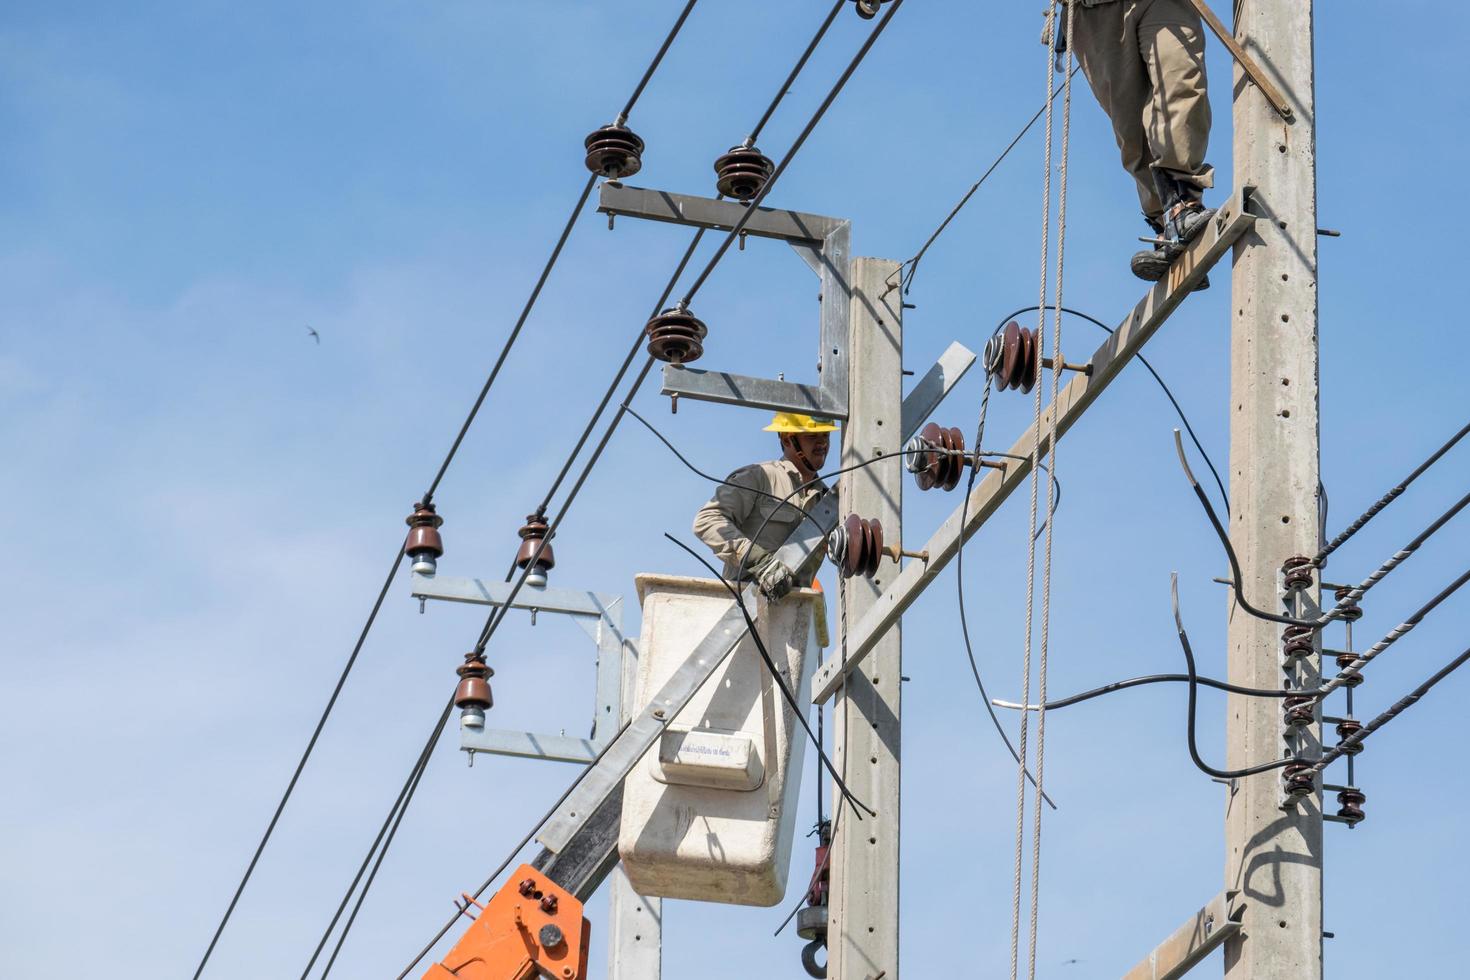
x,y
731,523
1145,61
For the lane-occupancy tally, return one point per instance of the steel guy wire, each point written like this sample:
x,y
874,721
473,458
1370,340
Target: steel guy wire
x,y
622,372
1031,528
1387,498
530,834
493,621
427,498
1056,382
913,263
1350,597
780,681
1398,708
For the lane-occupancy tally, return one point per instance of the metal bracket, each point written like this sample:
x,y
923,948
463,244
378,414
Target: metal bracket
x,y
822,242
599,615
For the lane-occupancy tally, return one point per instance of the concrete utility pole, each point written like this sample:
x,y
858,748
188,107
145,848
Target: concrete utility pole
x,y
863,919
1273,858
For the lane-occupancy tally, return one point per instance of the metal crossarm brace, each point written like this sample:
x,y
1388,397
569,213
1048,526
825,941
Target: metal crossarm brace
x,y
1230,223
599,615
822,243
1188,946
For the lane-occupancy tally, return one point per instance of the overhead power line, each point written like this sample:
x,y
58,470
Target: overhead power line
x,y
1388,498
493,620
427,498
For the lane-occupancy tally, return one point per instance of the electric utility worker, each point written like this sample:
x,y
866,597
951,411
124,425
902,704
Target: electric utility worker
x,y
745,523
1145,61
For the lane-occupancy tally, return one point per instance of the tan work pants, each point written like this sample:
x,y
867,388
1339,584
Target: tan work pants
x,y
1145,61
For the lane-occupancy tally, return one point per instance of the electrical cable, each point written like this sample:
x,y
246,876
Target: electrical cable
x,y
1157,377
913,263
427,498
1351,597
373,874
1387,498
780,681
395,813
1067,702
1356,668
301,764
530,834
1194,696
806,131
622,372
805,514
493,621
960,586
1398,708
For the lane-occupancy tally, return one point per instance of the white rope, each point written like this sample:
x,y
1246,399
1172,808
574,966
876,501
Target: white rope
x,y
1056,375
1021,749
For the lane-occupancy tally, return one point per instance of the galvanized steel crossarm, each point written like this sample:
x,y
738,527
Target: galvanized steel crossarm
x,y
1232,221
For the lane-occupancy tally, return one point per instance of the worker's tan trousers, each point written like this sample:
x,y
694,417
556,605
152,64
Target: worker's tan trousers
x,y
1145,60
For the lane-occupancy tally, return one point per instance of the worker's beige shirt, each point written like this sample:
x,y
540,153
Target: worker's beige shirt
x,y
736,513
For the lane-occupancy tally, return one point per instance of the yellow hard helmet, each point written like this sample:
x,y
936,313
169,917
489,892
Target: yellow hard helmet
x,y
792,422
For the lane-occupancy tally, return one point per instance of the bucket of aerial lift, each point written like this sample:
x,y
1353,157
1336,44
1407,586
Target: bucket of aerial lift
x,y
710,811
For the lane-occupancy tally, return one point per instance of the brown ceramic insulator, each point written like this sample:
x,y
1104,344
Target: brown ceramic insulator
x,y
1298,780
1296,572
1348,609
676,336
1346,729
474,684
1297,641
1011,358
1351,803
423,532
742,172
856,547
1344,662
614,152
1299,712
532,533
868,9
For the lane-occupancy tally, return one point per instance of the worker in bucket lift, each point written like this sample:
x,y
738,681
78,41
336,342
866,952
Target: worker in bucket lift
x,y
746,522
1145,61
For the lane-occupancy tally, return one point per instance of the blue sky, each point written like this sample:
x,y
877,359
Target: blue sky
x,y
203,500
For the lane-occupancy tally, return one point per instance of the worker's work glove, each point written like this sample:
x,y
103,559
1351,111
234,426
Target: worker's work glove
x,y
776,579
753,558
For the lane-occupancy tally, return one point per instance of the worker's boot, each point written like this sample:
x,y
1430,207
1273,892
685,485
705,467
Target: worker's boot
x,y
1184,218
1151,264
